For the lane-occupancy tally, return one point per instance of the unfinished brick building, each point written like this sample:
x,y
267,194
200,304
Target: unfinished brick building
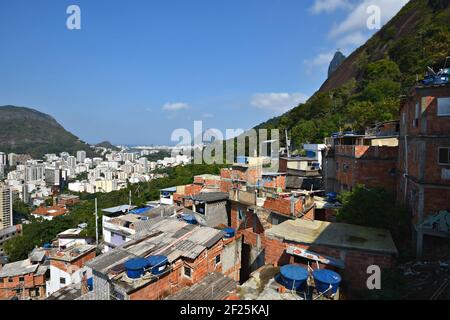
x,y
347,249
368,159
424,160
191,253
23,279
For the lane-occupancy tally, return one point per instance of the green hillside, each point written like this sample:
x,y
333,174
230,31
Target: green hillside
x,y
368,87
24,130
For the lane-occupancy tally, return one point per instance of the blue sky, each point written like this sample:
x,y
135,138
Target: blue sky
x,y
139,69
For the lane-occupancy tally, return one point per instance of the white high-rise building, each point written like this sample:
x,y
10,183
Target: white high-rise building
x,y
81,156
72,161
12,159
3,158
6,210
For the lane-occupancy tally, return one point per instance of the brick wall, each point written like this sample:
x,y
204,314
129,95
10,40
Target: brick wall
x,y
30,283
371,173
175,281
283,205
356,262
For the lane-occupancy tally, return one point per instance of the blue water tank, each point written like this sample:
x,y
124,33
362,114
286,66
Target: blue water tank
x,y
293,277
135,268
332,197
157,264
324,279
241,159
190,218
90,283
229,233
47,246
310,154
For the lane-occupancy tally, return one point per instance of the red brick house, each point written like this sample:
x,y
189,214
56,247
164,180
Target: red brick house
x,y
23,279
424,158
347,249
192,253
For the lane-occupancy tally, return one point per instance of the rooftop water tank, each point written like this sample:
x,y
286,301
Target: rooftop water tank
x,y
229,233
135,268
90,283
310,154
241,159
324,279
293,277
157,264
47,246
189,218
332,197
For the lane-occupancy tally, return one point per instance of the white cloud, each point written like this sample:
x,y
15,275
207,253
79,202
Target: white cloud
x,y
175,106
354,39
352,31
356,20
319,62
279,102
329,6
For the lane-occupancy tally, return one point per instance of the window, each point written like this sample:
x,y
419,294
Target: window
x,y
443,107
10,280
416,116
444,156
187,272
62,280
1,280
21,279
241,214
217,259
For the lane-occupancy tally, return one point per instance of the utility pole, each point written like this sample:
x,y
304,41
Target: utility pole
x,y
129,199
96,223
288,144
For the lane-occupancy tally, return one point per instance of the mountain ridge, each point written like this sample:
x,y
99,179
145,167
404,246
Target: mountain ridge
x,y
29,131
367,87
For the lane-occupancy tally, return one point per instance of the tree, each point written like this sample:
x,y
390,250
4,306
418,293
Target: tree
x,y
375,208
41,231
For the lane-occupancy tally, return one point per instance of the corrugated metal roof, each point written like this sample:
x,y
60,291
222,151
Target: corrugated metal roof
x,y
214,286
18,268
209,196
169,237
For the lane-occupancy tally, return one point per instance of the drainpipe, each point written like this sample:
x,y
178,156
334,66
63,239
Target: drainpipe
x,y
406,167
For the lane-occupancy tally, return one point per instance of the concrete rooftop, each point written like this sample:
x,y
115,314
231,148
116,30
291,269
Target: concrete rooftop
x,y
334,235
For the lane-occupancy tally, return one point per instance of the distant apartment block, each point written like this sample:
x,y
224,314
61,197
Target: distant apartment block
x,y
6,206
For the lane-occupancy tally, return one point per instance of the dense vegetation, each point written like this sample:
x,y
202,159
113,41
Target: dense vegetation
x,y
375,208
384,70
27,131
39,232
160,155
